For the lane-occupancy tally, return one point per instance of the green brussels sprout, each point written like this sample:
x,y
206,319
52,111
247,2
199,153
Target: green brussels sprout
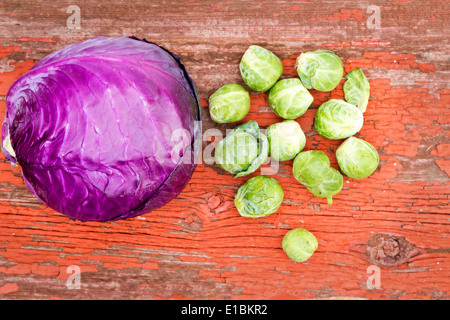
x,y
321,70
260,196
310,167
243,150
357,158
260,68
357,89
299,244
289,99
337,119
229,103
329,186
286,140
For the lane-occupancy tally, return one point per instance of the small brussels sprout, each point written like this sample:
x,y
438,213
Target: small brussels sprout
x,y
243,150
310,167
329,186
289,99
260,196
337,119
260,68
321,70
286,140
357,158
357,89
299,244
229,103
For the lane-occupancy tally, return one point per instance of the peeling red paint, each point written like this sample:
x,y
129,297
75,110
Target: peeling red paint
x,y
403,148
44,270
8,78
442,150
6,51
291,8
343,15
444,164
375,43
389,60
46,40
198,246
8,288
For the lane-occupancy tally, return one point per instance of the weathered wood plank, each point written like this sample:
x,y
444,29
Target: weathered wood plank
x,y
198,246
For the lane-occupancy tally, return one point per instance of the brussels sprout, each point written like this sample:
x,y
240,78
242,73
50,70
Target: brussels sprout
x,y
243,150
260,68
321,70
286,140
229,103
289,99
310,167
260,196
357,89
237,151
357,158
329,186
299,244
337,119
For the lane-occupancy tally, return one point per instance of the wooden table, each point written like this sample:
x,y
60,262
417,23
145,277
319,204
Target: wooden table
x,y
385,237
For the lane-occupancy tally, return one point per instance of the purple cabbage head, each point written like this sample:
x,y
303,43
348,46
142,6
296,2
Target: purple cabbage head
x,y
104,129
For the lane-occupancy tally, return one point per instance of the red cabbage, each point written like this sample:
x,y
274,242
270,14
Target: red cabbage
x,y
92,126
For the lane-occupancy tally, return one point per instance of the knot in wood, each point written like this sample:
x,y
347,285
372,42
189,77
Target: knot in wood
x,y
389,250
192,223
214,202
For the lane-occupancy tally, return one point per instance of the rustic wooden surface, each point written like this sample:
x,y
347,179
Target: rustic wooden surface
x,y
197,246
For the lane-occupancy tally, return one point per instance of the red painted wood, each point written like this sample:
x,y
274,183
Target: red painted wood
x,y
197,246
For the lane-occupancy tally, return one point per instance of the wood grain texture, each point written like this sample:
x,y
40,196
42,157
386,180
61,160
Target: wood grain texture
x,y
197,246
